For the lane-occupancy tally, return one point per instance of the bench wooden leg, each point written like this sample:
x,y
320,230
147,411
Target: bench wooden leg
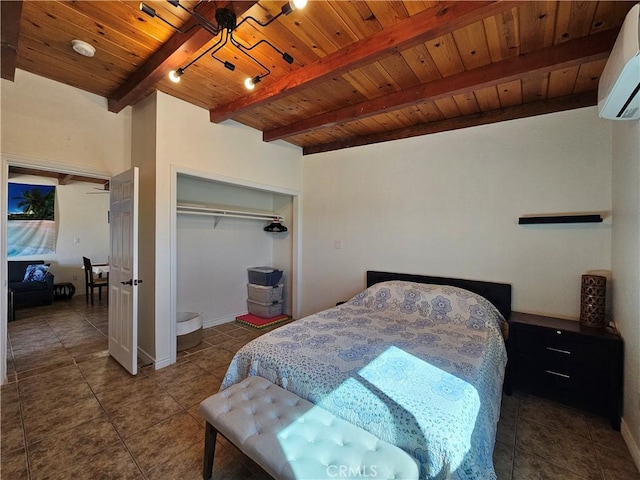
x,y
209,451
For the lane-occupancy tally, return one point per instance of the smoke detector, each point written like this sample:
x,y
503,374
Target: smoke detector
x,y
83,48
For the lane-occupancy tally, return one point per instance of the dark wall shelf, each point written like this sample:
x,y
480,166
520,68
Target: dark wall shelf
x,y
586,218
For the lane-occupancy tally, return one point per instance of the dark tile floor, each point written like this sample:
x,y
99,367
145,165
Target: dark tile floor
x,y
71,412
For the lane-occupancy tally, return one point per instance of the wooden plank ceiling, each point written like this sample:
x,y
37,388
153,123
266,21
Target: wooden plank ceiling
x,y
363,71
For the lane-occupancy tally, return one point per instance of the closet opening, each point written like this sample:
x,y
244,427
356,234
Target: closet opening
x,y
219,234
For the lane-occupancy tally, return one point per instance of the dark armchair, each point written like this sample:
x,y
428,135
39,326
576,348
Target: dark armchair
x,y
29,293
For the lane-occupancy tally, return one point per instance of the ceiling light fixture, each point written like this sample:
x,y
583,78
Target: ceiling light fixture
x,y
250,83
175,75
83,48
225,27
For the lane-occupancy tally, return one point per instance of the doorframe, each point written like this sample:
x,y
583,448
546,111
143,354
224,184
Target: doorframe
x,y
296,232
15,160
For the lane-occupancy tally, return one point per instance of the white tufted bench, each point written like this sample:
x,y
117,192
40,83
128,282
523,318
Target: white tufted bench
x,y
291,438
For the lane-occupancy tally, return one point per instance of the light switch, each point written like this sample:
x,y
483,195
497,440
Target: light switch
x,y
338,244
76,239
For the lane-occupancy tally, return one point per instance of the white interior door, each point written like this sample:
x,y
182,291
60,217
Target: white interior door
x,y
123,270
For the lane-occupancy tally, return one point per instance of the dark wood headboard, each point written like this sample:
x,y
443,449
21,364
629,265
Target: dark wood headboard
x,y
499,294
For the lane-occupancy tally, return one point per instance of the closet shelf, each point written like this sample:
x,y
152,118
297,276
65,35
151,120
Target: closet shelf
x,y
546,219
194,209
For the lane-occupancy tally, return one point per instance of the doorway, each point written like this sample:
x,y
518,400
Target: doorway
x,y
81,213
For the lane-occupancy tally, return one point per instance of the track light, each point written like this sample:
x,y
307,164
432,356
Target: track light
x,y
298,4
174,75
250,83
224,29
148,10
287,8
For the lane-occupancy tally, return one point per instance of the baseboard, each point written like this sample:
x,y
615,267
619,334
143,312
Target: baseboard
x,y
631,443
145,357
219,321
165,362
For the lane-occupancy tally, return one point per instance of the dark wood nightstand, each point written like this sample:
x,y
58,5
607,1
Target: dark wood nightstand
x,y
561,360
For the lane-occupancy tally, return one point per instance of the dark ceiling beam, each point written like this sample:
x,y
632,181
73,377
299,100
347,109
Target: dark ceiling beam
x,y
64,179
427,25
580,100
10,13
180,48
565,55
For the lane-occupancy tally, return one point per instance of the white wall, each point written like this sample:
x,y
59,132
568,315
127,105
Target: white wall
x,y
283,247
626,269
143,156
54,122
448,204
212,265
190,140
212,260
80,213
187,139
52,125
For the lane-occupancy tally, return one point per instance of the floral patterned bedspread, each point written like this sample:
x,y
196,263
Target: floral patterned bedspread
x,y
419,366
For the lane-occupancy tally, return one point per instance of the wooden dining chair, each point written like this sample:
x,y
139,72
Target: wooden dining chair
x,y
92,281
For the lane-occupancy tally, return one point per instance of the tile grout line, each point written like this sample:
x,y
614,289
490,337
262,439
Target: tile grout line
x,y
106,414
13,361
565,468
183,410
46,319
515,439
597,451
24,430
91,323
84,319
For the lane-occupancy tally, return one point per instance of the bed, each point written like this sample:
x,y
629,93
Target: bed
x,y
417,361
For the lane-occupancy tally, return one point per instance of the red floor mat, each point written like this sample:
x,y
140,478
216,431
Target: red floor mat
x,y
259,322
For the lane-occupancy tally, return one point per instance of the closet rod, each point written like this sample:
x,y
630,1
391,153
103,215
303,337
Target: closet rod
x,y
200,210
233,215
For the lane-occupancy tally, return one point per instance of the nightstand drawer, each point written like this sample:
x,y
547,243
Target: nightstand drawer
x,y
562,347
542,374
564,382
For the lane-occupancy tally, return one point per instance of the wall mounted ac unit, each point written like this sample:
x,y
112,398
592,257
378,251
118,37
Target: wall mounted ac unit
x,y
618,89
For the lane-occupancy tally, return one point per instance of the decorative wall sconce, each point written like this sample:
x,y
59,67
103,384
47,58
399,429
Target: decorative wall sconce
x,y
226,25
